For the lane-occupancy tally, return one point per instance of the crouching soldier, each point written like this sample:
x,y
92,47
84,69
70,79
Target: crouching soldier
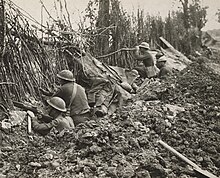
x,y
142,54
161,64
56,110
74,96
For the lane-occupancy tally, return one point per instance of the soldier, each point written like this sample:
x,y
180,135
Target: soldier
x,y
161,64
57,109
142,54
74,96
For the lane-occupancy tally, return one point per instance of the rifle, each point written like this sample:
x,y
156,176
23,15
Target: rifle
x,y
196,168
25,107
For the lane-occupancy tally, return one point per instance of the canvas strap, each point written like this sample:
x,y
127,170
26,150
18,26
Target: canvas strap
x,y
72,98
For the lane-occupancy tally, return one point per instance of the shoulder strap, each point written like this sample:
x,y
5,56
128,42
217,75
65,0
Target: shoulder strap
x,y
73,94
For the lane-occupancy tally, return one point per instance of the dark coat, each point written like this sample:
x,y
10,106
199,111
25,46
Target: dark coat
x,y
59,123
80,102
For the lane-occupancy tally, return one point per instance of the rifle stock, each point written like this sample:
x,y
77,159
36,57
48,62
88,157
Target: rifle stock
x,y
25,107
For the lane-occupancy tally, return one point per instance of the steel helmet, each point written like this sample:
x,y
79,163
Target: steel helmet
x,y
158,55
66,75
135,72
57,103
144,45
162,59
126,86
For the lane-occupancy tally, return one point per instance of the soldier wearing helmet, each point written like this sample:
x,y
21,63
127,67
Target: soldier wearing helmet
x,y
161,64
142,54
74,96
56,110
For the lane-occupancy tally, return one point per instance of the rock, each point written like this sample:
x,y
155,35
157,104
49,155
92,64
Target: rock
x,y
212,150
2,176
55,164
168,124
87,135
18,167
51,152
143,173
183,120
112,172
206,161
209,87
162,161
174,109
48,156
6,125
170,117
34,164
6,148
194,125
144,108
46,164
186,142
174,132
95,149
128,171
17,117
200,159
134,143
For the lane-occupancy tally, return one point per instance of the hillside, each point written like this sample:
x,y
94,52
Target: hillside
x,y
211,38
215,33
185,115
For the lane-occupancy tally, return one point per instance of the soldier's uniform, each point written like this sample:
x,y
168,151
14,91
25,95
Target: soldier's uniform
x,y
60,122
79,108
148,70
74,96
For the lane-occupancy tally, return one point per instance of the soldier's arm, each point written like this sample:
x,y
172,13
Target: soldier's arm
x,y
42,127
59,92
44,92
141,57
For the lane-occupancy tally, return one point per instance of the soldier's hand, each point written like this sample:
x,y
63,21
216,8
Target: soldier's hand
x,y
137,48
34,119
39,113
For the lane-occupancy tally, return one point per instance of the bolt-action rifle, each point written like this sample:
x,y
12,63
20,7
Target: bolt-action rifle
x,y
25,107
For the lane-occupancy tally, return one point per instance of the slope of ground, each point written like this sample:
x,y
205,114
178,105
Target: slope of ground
x,y
125,144
215,33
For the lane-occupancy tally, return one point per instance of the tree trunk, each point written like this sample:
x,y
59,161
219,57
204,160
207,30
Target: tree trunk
x,y
2,31
102,25
185,4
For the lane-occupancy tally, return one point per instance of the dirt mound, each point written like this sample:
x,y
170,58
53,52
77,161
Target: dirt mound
x,y
125,145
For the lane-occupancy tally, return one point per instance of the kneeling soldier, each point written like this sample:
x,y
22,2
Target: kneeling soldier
x,y
57,109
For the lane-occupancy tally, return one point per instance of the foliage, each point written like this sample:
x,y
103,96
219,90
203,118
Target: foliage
x,y
119,29
197,14
27,62
181,28
194,19
218,15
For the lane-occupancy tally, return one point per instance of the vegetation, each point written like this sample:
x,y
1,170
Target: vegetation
x,y
181,28
26,58
218,15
